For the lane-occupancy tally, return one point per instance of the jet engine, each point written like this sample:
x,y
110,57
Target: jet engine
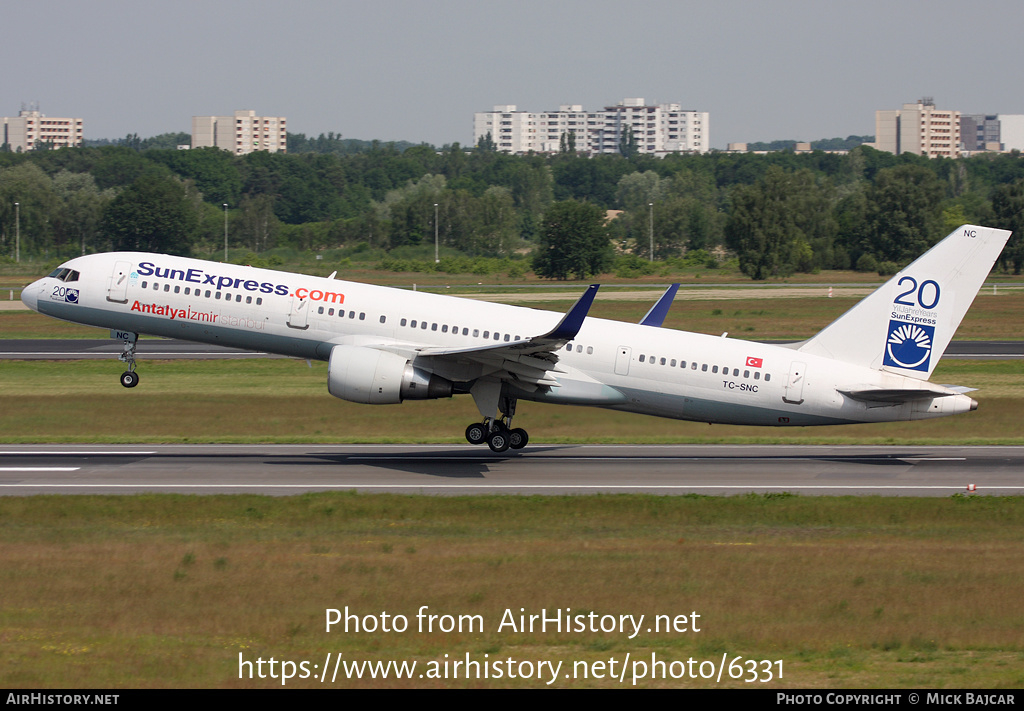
x,y
370,376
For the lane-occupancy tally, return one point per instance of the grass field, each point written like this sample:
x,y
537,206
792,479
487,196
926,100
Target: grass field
x,y
168,590
287,401
848,593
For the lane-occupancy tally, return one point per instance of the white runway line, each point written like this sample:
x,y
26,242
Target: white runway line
x,y
59,453
39,469
504,486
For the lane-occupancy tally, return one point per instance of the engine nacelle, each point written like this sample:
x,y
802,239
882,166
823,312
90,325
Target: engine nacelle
x,y
370,376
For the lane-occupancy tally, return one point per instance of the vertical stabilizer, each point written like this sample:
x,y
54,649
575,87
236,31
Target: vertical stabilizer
x,y
905,326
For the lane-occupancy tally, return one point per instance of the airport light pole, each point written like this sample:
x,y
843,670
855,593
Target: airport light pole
x,y
651,228
17,232
225,232
437,258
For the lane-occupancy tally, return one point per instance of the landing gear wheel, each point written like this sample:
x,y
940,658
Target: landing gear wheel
x,y
517,438
129,379
476,433
498,440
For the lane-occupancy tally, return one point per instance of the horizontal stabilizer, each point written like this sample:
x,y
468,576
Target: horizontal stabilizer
x,y
892,396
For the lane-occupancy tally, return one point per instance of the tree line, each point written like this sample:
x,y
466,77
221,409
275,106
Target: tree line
x,y
778,213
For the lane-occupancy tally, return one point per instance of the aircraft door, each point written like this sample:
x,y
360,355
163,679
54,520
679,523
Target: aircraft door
x,y
795,383
298,317
117,289
622,360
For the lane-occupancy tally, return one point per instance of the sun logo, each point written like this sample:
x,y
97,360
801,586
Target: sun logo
x,y
909,345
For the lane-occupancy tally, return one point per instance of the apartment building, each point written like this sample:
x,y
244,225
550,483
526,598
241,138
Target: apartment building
x,y
657,129
242,133
30,129
919,128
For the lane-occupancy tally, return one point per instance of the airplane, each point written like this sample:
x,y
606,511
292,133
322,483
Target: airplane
x,y
385,345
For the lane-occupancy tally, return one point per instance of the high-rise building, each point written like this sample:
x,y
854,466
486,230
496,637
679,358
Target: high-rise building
x,y
31,129
242,133
1011,131
979,132
657,129
919,128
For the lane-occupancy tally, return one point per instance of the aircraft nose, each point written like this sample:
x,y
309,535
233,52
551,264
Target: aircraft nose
x,y
30,295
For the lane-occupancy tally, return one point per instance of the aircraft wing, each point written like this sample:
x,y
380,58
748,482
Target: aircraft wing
x,y
526,362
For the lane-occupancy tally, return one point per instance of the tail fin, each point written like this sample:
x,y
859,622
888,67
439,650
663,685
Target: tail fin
x,y
905,326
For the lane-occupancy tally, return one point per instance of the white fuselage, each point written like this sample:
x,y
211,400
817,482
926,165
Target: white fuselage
x,y
623,366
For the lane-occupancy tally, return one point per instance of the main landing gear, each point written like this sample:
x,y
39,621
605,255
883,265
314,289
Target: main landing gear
x,y
498,435
498,432
129,378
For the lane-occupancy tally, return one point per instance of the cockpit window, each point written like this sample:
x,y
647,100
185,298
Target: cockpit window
x,y
64,274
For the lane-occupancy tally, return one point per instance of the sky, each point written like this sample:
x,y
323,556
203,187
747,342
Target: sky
x,y
417,70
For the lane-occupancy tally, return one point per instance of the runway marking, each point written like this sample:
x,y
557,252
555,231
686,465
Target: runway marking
x,y
58,453
962,487
39,469
932,459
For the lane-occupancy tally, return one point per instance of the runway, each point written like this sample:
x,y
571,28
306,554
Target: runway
x,y
718,470
170,349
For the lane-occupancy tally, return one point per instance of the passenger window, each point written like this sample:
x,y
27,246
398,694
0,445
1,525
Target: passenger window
x,y
156,287
682,364
259,300
476,332
506,338
320,310
642,358
746,373
208,294
362,316
663,361
579,349
217,296
167,287
433,327
487,334
188,291
767,377
735,372
144,284
673,363
693,366
590,349
352,314
704,367
383,318
423,325
444,328
238,298
177,289
714,369
248,300
412,324
757,375
465,332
